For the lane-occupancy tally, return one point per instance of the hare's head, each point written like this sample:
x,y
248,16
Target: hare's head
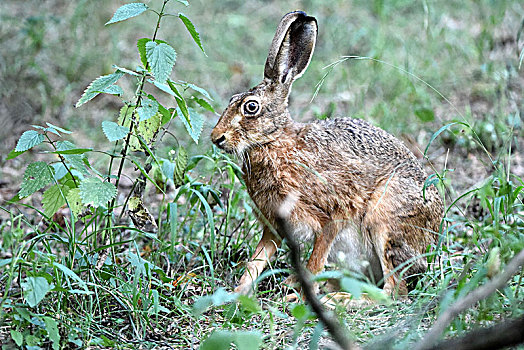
x,y
258,116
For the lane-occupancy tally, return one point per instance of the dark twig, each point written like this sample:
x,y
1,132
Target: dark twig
x,y
504,334
338,332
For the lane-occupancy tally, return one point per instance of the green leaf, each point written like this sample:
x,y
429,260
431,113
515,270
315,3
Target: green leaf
x,y
197,123
52,331
98,85
183,2
220,297
35,289
192,30
147,109
199,89
13,154
125,70
161,58
113,131
222,340
113,90
128,11
141,45
36,176
71,275
300,312
182,105
75,201
96,192
204,104
425,114
73,160
218,340
247,340
53,199
28,140
73,151
180,167
58,128
18,337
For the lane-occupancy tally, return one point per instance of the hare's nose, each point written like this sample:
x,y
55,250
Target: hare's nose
x,y
219,141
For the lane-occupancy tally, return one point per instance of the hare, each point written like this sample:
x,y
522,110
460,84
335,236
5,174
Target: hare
x,y
352,188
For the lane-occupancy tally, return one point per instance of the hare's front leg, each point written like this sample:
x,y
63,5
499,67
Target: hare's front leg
x,y
318,257
266,248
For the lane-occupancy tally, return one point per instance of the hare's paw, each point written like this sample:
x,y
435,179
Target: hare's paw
x,y
293,290
346,300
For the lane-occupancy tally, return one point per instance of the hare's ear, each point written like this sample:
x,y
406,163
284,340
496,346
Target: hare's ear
x,y
291,48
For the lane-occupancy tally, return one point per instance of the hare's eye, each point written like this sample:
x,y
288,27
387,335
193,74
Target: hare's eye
x,y
251,107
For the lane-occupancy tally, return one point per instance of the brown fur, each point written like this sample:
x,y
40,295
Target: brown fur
x,y
353,187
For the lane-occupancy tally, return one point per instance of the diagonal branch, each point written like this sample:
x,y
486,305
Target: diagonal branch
x,y
478,294
337,331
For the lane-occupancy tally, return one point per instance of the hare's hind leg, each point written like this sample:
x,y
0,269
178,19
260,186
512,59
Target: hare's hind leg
x,y
266,248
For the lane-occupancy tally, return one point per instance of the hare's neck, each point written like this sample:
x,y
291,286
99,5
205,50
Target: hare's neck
x,y
268,160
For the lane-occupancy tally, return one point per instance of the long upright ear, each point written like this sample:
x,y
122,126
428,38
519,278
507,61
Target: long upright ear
x,y
291,48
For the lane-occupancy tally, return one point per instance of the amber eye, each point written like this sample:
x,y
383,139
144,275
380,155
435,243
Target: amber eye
x,y
251,107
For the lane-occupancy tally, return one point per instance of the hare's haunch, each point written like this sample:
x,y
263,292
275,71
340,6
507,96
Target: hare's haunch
x,y
354,189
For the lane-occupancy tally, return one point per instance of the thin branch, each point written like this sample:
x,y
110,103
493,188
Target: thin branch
x,y
472,298
337,331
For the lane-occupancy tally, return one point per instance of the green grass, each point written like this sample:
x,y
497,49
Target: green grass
x,y
144,293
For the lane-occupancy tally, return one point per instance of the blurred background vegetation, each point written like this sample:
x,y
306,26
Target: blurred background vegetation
x,y
469,51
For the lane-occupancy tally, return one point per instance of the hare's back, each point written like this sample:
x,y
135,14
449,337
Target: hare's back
x,y
359,140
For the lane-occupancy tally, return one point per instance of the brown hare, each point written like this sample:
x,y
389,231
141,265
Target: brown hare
x,y
356,191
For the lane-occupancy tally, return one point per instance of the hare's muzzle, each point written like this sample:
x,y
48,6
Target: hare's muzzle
x,y
218,138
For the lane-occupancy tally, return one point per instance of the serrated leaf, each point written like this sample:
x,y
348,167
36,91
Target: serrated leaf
x,y
197,123
52,331
28,140
113,131
113,90
147,109
74,160
161,58
125,70
147,129
53,199
75,201
141,46
36,176
96,192
425,114
180,167
128,11
35,289
98,85
192,30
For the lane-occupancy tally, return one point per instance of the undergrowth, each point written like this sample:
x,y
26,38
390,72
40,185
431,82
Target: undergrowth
x,y
89,262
